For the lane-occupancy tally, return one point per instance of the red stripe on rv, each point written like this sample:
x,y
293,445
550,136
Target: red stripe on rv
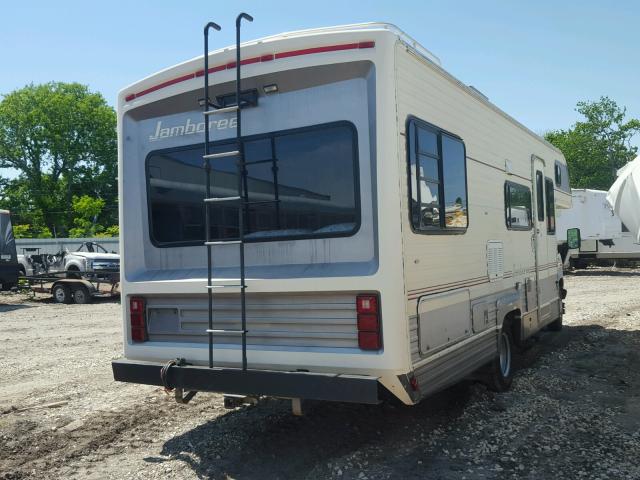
x,y
168,83
248,61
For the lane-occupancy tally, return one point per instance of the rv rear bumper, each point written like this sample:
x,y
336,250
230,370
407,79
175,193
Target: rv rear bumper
x,y
305,385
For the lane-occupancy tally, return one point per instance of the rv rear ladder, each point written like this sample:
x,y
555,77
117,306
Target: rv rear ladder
x,y
241,199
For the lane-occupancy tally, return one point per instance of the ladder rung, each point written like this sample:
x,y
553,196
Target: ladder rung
x,y
222,199
233,332
238,285
223,242
221,110
231,153
258,202
254,162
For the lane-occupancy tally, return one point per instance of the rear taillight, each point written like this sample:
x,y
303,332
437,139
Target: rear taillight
x,y
369,332
137,318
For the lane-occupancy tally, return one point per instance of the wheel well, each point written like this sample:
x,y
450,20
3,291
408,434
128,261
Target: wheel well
x,y
512,320
73,267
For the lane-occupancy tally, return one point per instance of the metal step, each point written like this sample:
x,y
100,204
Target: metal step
x,y
232,332
221,110
222,199
211,156
238,285
223,242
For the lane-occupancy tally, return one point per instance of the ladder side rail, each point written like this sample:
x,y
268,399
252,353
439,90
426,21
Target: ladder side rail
x,y
242,173
207,167
276,190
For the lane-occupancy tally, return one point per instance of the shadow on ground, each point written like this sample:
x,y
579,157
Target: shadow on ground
x,y
266,441
10,307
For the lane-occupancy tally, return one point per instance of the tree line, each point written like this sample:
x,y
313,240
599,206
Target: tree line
x,y
59,141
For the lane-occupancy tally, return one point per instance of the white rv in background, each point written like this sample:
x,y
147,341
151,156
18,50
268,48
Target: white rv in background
x,y
603,235
414,241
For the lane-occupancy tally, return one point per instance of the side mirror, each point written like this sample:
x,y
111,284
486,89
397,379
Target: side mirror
x,y
573,238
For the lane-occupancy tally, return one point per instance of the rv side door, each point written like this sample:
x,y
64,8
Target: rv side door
x,y
539,229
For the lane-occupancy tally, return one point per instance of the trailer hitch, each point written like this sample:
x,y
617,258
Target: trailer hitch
x,y
178,392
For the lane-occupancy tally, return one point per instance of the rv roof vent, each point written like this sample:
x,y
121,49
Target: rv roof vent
x,y
478,92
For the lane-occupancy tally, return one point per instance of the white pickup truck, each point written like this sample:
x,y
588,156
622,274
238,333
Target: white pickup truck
x,y
89,260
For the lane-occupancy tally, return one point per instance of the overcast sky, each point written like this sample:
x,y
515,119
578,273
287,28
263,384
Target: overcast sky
x,y
533,59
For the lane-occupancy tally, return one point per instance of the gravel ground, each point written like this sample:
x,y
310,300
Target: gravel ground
x,y
573,411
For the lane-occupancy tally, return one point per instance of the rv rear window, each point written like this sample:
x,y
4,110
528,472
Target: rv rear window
x,y
311,172
517,200
551,206
437,180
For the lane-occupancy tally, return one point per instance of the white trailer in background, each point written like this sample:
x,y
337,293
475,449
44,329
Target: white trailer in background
x,y
624,197
603,235
406,239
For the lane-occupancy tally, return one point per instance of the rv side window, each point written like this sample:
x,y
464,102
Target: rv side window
x,y
551,206
312,173
562,176
437,180
517,199
540,195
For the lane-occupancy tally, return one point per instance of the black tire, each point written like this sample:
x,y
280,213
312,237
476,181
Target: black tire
x,y
61,294
556,325
22,272
579,263
81,296
499,373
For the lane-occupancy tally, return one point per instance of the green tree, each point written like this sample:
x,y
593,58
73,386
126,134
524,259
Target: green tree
x,y
31,231
86,210
598,145
61,138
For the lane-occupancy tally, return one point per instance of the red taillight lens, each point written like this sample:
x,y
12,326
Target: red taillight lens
x,y
369,340
137,319
367,304
367,323
369,332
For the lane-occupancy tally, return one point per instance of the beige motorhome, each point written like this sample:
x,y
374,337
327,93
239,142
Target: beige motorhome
x,y
413,241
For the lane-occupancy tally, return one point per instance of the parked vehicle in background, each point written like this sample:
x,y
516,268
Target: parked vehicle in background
x,y
603,235
624,197
398,228
8,255
90,260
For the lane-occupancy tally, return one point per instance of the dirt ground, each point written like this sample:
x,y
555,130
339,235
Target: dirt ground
x,y
573,411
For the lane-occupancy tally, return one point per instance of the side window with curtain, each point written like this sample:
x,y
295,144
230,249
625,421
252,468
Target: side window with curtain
x,y
551,206
437,180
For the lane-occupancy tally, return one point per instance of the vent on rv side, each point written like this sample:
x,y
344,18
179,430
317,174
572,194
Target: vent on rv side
x,y
495,260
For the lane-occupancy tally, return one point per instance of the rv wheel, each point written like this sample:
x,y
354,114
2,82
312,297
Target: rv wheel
x,y
500,370
61,294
